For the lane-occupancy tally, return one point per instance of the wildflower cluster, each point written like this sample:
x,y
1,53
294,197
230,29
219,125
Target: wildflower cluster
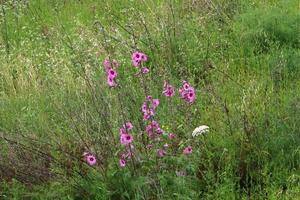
x,y
111,72
138,57
169,90
155,141
148,107
187,92
126,140
125,137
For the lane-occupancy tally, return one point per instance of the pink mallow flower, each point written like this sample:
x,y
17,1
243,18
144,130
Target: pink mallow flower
x,y
122,131
188,150
138,57
159,131
144,57
187,92
145,70
169,90
91,159
148,107
107,64
128,126
110,81
153,126
122,163
126,139
155,103
111,73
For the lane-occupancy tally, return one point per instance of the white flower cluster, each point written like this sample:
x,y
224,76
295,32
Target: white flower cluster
x,y
200,130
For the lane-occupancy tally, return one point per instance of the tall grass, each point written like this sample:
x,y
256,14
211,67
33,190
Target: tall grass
x,y
241,56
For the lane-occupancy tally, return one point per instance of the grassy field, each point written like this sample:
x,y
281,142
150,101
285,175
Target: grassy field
x,y
242,57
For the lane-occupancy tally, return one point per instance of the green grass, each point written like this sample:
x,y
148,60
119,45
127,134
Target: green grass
x,y
241,56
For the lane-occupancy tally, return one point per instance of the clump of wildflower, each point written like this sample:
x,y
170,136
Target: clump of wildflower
x,y
125,137
200,130
169,90
111,72
187,92
188,150
148,107
153,127
138,57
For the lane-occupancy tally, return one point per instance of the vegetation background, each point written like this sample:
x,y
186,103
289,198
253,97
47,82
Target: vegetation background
x,y
242,56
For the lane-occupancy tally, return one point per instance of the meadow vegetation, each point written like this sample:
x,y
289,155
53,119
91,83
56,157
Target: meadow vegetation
x,y
241,58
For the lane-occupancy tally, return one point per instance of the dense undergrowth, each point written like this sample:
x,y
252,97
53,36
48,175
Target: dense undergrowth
x,y
242,58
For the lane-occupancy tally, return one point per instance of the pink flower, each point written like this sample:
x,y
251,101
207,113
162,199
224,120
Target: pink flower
x,y
149,98
128,126
166,145
122,131
112,73
135,63
91,159
186,85
187,92
129,155
149,110
188,150
146,116
159,131
169,90
107,64
171,136
161,153
110,81
155,103
122,163
144,57
126,139
149,128
155,124
145,70
138,57
144,107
